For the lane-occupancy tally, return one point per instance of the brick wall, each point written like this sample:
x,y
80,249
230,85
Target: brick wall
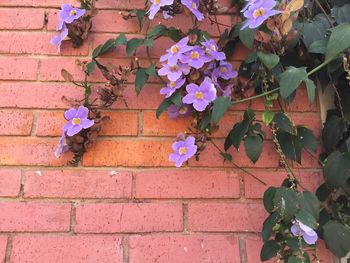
x,y
148,211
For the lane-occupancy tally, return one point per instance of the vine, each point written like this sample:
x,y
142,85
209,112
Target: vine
x,y
293,45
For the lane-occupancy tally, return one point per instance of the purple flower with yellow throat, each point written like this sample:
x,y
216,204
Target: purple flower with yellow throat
x,y
176,52
224,71
175,111
62,146
174,72
57,40
309,235
77,120
171,87
69,13
212,49
183,150
156,5
195,58
200,96
258,12
193,6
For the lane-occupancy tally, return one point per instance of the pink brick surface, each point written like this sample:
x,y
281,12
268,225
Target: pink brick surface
x,y
3,244
14,122
77,249
34,217
10,182
184,249
113,218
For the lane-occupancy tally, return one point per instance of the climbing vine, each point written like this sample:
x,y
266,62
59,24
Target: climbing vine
x,y
293,45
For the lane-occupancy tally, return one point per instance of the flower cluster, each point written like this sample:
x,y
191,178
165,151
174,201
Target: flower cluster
x,y
67,15
77,121
191,5
184,149
309,235
257,11
199,72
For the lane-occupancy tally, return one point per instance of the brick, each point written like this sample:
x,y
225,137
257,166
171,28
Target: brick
x,y
77,184
120,123
143,153
37,43
18,68
14,122
36,3
113,21
187,184
184,249
211,157
164,126
241,52
18,18
3,244
253,247
312,122
10,182
235,217
121,4
301,103
255,189
34,217
77,249
115,218
30,152
37,95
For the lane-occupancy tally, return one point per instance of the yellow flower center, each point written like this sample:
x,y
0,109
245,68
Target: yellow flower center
x,y
172,84
194,6
212,47
259,12
157,2
182,150
194,55
76,121
223,69
182,110
72,13
199,95
174,68
174,49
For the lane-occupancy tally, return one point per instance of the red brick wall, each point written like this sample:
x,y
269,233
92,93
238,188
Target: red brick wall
x,y
147,212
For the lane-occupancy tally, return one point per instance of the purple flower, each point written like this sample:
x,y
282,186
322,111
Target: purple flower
x,y
196,58
174,72
175,111
183,150
69,13
258,12
200,96
171,87
156,5
193,5
299,229
176,52
78,120
224,71
212,50
62,146
249,4
57,40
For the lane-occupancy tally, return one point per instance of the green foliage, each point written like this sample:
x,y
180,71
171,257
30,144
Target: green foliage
x,y
221,105
269,60
338,42
337,238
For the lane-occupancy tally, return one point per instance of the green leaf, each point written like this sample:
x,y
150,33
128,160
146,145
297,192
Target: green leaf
x,y
156,31
339,41
176,98
341,14
286,202
283,123
148,42
310,203
290,146
337,169
315,30
269,195
332,132
253,147
140,80
268,116
174,34
132,45
226,156
269,60
90,67
101,49
163,107
306,218
240,129
318,47
294,259
310,87
268,226
121,39
140,14
247,37
151,71
97,51
291,79
251,57
348,144
337,238
221,105
269,250
293,243
306,137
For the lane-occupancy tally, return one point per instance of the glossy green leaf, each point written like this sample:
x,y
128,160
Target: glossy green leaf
x,y
286,202
282,122
90,67
253,146
332,132
337,169
121,39
318,47
269,60
337,238
268,116
311,88
247,37
140,80
310,203
132,45
341,14
268,226
156,31
306,218
221,105
315,30
339,41
269,196
306,137
163,107
291,79
269,250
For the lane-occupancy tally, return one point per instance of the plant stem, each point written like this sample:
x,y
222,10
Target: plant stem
x,y
256,96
